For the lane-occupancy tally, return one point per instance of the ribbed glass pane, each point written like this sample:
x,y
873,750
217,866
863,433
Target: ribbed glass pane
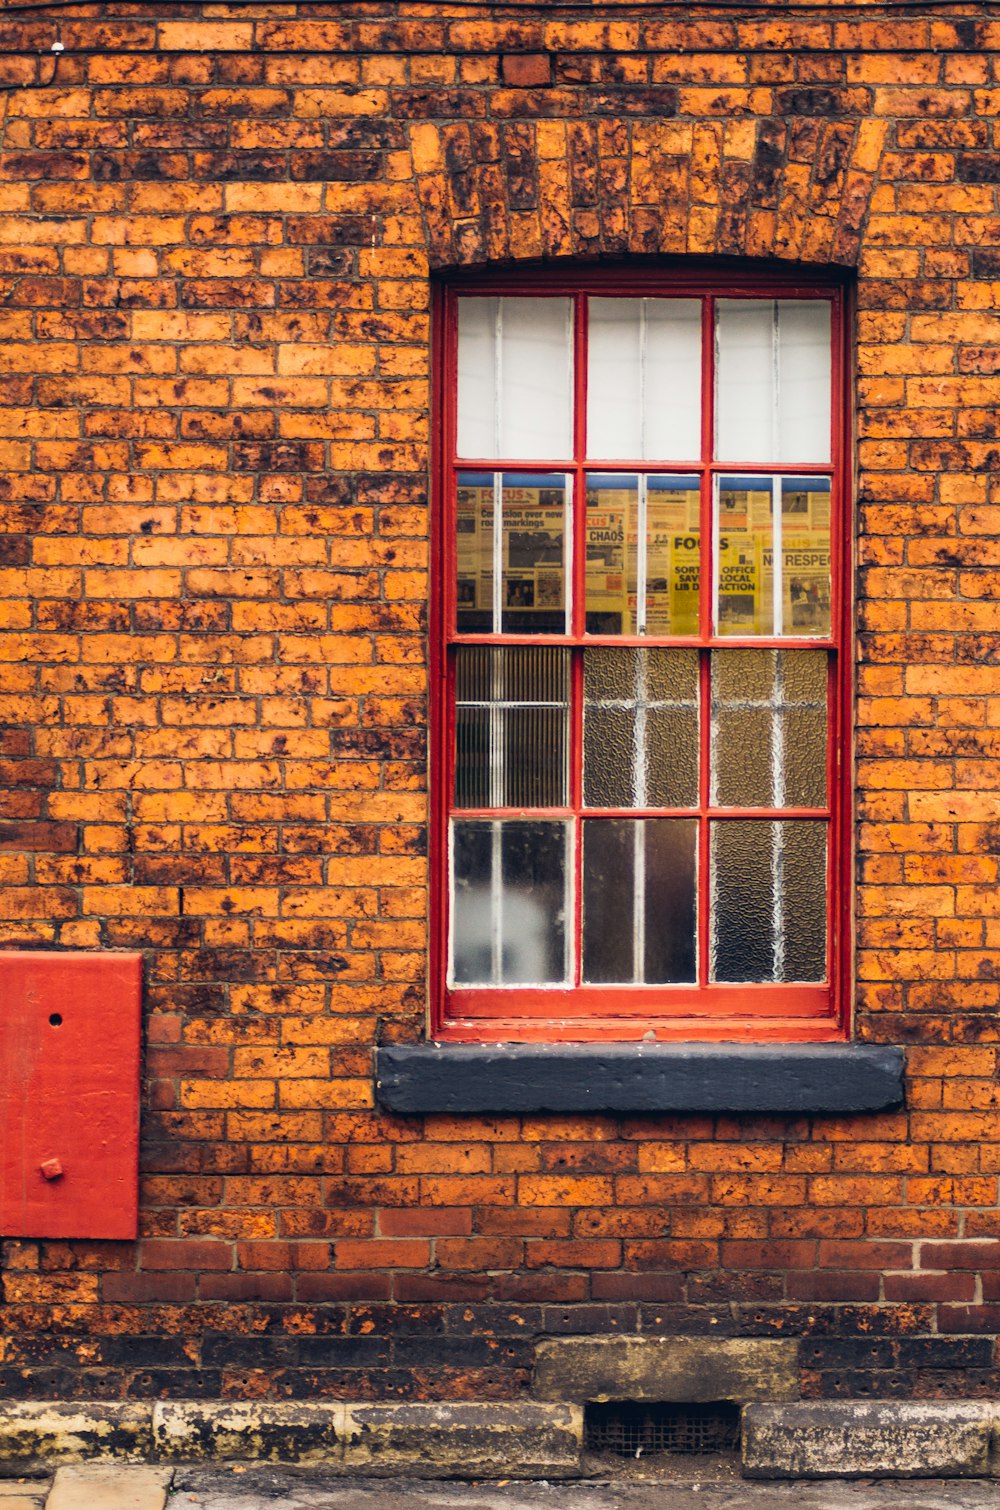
x,y
769,899
509,903
474,552
511,726
745,565
639,901
773,380
640,727
769,728
805,555
533,589
643,388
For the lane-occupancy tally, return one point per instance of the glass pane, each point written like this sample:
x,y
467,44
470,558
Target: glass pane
x,y
534,553
474,552
745,556
769,728
611,534
743,897
804,380
745,408
639,901
773,380
805,899
477,371
648,525
536,384
515,377
640,727
768,901
511,726
509,909
608,901
673,555
671,908
805,555
644,379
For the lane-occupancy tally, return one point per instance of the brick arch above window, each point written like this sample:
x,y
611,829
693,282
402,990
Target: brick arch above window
x,y
793,188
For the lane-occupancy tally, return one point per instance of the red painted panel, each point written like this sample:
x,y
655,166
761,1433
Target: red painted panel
x,y
69,1094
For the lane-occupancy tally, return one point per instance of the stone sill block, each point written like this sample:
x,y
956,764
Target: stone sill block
x,y
478,1440
872,1439
494,1078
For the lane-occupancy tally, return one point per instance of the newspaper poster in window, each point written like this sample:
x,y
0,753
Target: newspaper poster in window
x,y
610,550
474,550
746,567
533,566
805,556
672,557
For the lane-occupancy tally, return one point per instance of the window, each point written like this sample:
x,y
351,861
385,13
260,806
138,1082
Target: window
x,y
641,631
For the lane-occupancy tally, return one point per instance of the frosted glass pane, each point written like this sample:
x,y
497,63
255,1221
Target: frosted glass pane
x,y
672,390
640,728
773,380
805,555
608,757
742,757
614,379
804,881
611,545
639,901
509,891
644,379
805,757
533,553
743,901
477,393
804,377
474,552
768,901
745,556
514,378
536,415
769,728
745,380
511,726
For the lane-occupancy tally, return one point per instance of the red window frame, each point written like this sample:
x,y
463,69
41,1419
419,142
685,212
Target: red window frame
x,y
706,1011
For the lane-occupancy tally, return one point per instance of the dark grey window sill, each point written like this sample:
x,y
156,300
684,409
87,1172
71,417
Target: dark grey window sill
x,y
584,1077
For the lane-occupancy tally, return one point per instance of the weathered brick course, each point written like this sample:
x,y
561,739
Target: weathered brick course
x,y
216,235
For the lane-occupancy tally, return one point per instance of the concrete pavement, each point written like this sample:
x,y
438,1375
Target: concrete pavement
x,y
101,1487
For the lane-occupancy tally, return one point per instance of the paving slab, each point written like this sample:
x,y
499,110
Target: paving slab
x,y
23,1494
266,1489
108,1486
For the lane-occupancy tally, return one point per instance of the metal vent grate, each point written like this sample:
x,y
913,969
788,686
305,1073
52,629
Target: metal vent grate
x,y
638,1429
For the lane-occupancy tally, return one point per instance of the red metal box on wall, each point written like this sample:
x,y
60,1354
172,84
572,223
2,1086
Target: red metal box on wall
x,y
69,1094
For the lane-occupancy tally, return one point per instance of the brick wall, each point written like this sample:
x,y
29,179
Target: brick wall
x,y
215,240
